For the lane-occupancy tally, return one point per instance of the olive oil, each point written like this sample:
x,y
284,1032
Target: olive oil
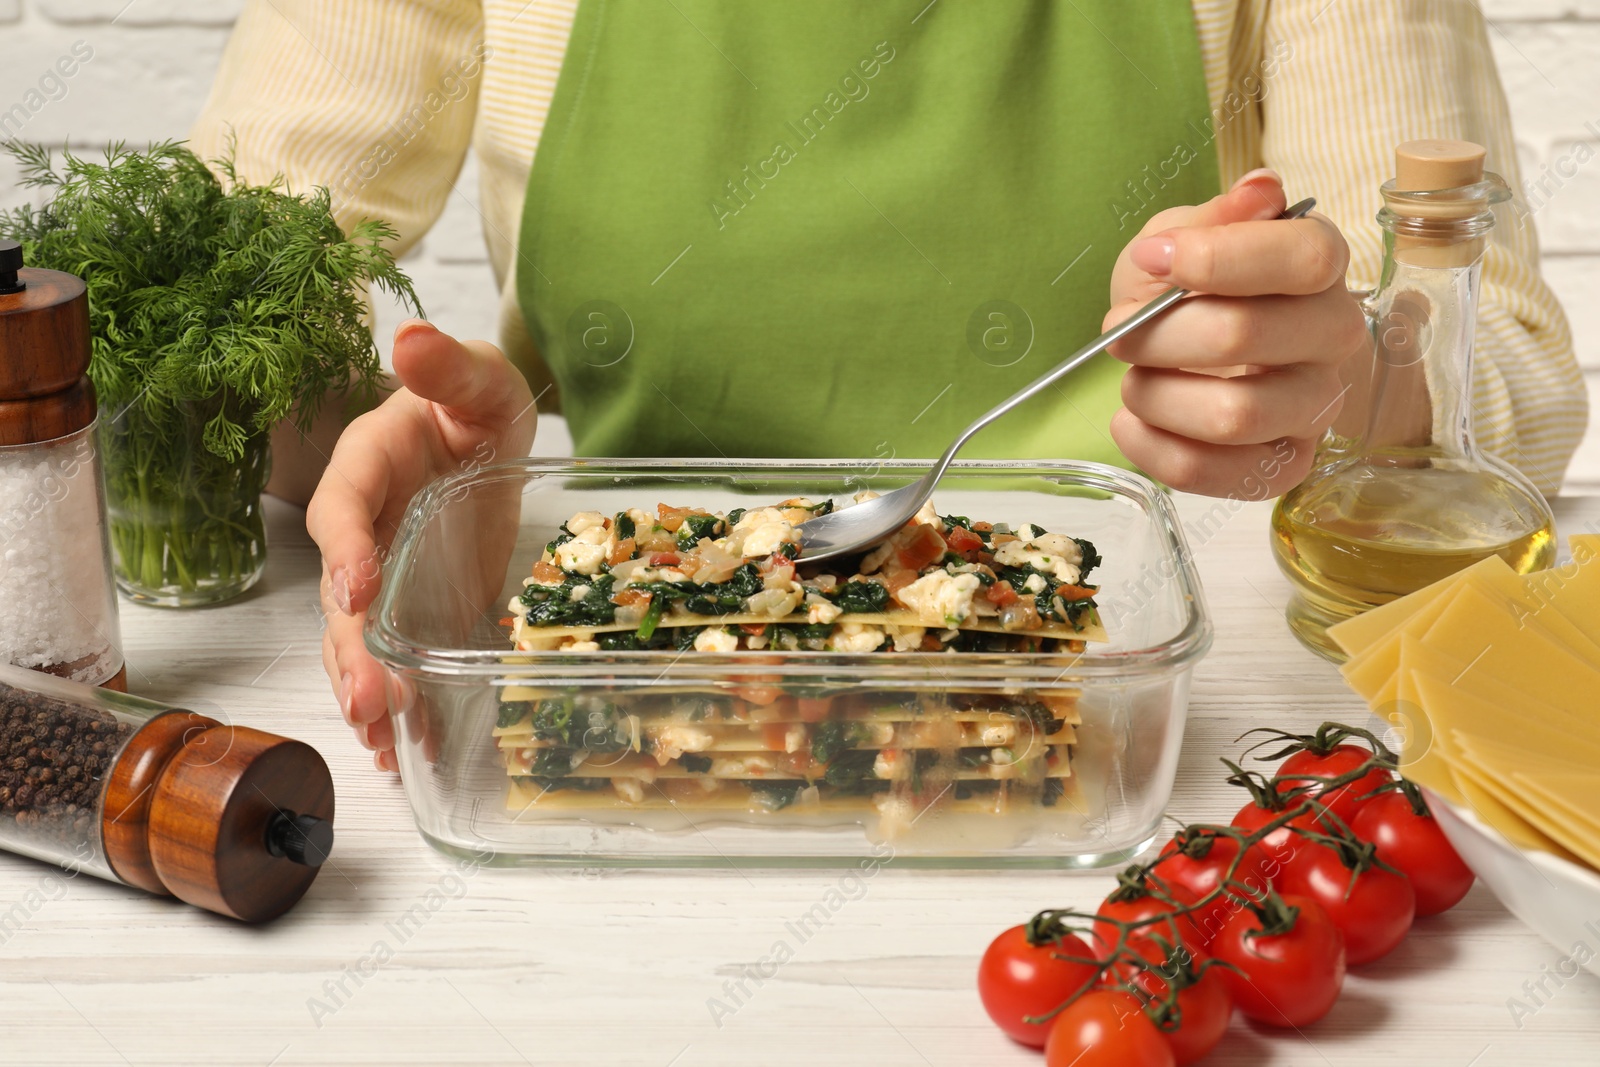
x,y
1402,497
1355,541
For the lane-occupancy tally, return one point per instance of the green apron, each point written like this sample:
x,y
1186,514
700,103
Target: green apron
x,y
846,229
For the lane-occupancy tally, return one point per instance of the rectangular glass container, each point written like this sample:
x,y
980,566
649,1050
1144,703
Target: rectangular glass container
x,y
468,541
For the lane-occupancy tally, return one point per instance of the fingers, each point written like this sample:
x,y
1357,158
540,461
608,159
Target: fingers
x,y
1215,332
1243,472
1294,256
1250,409
356,677
343,514
472,380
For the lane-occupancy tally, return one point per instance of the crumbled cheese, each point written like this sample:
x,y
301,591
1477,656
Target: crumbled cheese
x,y
854,637
585,520
877,557
715,639
886,763
906,638
741,766
579,644
794,738
585,553
879,733
1035,583
578,593
674,741
756,641
1000,757
629,789
821,609
941,597
767,537
1055,554
895,814
997,733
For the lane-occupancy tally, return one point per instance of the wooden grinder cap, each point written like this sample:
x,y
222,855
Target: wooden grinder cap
x,y
240,821
44,352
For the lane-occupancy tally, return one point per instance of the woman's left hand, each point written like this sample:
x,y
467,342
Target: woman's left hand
x,y
1229,392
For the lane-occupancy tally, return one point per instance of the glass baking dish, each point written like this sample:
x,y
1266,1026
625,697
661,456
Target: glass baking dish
x,y
455,681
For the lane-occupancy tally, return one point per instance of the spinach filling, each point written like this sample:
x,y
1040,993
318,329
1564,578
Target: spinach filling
x,y
553,605
697,526
833,737
775,796
860,597
562,722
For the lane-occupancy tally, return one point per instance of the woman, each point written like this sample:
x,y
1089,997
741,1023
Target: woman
x,y
846,229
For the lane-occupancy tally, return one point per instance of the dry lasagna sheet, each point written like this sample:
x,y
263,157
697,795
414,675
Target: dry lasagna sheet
x,y
691,580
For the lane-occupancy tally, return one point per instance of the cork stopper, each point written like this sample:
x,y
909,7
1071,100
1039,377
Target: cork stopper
x,y
1429,165
1437,165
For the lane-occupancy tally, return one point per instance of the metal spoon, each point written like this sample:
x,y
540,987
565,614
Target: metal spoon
x,y
856,528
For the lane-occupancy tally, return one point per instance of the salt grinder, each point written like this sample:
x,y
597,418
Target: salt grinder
x,y
58,600
227,818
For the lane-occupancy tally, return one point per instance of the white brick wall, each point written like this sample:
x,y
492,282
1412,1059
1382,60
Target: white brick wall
x,y
153,60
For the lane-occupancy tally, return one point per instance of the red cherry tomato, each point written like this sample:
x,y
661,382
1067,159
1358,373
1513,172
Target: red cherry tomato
x,y
1340,760
1204,1007
1106,1028
1414,844
1174,931
1373,913
1290,978
1017,978
1193,869
1282,843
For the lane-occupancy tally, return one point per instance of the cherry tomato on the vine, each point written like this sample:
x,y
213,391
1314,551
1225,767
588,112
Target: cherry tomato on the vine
x,y
1414,844
1282,843
1177,929
1192,869
1203,1002
1017,978
1373,909
1106,1028
1292,971
1340,760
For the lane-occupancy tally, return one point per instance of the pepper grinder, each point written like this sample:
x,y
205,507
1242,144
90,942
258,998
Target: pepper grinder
x,y
58,601
227,818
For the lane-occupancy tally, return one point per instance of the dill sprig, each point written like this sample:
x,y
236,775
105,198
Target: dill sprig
x,y
217,308
205,291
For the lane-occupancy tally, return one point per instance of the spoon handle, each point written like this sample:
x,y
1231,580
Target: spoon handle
x,y
1154,308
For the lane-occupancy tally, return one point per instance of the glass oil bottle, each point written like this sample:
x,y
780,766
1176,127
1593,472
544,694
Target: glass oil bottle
x,y
1411,499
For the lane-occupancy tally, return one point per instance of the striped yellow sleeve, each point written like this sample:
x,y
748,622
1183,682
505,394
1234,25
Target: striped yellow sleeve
x,y
374,99
1357,77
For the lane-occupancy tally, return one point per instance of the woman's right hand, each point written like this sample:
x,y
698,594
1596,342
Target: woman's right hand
x,y
462,405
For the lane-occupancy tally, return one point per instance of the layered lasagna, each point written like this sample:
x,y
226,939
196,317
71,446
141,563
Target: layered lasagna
x,y
696,581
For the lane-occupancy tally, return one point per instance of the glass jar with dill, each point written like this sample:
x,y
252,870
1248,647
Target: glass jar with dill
x,y
217,309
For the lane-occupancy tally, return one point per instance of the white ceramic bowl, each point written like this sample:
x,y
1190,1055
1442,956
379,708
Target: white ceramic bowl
x,y
1559,900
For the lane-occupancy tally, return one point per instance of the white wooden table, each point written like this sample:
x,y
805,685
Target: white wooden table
x,y
568,967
